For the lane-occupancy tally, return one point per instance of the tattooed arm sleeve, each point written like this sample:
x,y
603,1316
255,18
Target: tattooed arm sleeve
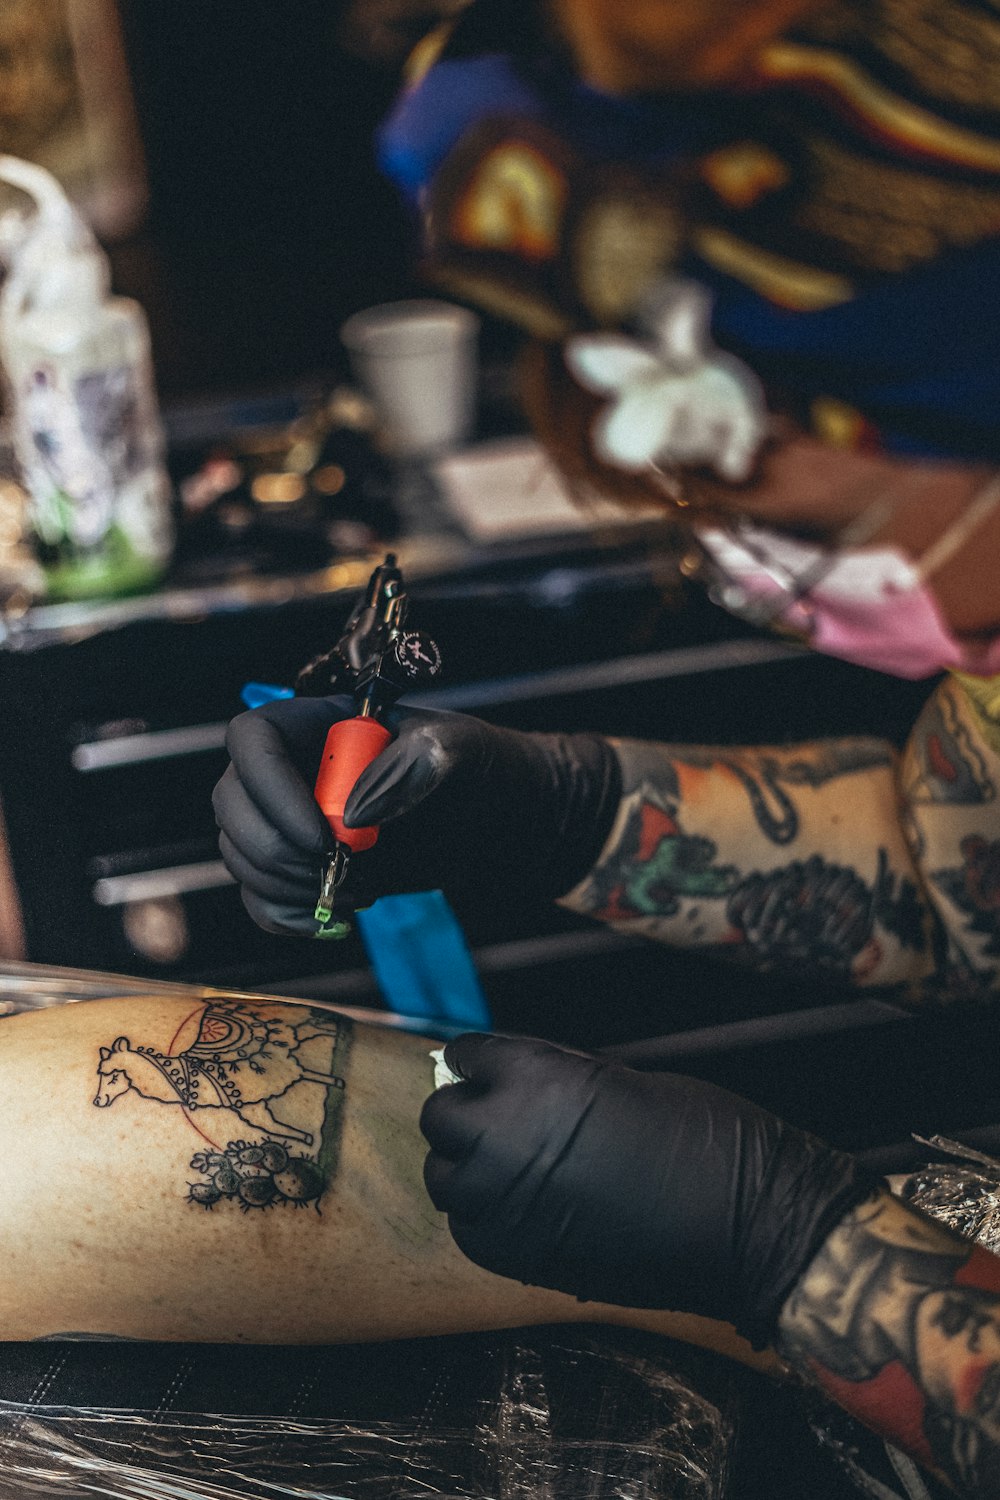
x,y
792,858
949,779
236,1171
898,1320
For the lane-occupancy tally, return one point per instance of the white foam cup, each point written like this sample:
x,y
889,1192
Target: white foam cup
x,y
417,361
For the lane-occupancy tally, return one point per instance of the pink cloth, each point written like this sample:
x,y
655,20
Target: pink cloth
x,y
870,606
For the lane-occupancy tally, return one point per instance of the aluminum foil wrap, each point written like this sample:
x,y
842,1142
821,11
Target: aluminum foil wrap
x,y
964,1193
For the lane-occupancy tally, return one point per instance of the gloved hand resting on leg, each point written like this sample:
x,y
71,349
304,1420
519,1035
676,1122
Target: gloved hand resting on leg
x,y
641,1189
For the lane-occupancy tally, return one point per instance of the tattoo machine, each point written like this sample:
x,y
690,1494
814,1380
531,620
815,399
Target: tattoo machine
x,y
376,660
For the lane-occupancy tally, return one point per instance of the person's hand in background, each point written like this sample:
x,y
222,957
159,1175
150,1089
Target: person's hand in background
x,y
467,807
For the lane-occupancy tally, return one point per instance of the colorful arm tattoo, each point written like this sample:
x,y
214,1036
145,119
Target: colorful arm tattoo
x,y
949,778
787,858
898,1320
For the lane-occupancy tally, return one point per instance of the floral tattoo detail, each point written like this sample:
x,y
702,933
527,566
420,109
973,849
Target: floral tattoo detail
x,y
256,1177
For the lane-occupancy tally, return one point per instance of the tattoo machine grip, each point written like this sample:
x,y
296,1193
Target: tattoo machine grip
x,y
351,745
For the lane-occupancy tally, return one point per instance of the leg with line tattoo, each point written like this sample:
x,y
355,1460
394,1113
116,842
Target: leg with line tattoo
x,y
232,1171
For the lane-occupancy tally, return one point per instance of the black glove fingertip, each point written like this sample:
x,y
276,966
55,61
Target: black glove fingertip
x,y
375,796
464,1054
437,1176
429,1116
441,1121
274,916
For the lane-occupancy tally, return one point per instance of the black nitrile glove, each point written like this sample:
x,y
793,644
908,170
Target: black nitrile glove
x,y
639,1189
476,811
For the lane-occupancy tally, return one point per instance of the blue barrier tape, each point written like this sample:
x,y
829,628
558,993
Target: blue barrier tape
x,y
254,694
421,962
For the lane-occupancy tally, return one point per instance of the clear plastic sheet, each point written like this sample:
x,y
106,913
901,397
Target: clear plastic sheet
x,y
28,986
566,1419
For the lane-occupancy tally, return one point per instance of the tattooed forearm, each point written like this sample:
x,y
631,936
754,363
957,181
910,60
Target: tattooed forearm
x,y
949,777
789,859
262,1088
766,773
899,1321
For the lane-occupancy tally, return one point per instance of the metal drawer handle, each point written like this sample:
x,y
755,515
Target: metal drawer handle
x,y
150,885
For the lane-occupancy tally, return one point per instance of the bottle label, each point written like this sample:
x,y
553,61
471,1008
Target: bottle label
x,y
88,444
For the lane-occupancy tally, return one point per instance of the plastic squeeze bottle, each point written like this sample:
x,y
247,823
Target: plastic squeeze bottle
x,y
81,402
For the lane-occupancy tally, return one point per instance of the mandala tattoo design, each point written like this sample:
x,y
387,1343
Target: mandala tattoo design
x,y
278,1070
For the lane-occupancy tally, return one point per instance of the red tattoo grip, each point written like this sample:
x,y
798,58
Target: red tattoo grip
x,y
351,745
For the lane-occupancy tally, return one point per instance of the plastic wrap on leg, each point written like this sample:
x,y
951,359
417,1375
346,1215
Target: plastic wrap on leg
x,y
566,1415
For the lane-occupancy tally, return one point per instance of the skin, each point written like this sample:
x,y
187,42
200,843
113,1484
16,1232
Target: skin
x,y
651,44
804,486
959,1345
98,1234
837,859
899,1320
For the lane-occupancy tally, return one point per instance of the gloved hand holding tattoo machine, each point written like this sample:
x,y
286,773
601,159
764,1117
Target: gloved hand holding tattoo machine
x,y
471,809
